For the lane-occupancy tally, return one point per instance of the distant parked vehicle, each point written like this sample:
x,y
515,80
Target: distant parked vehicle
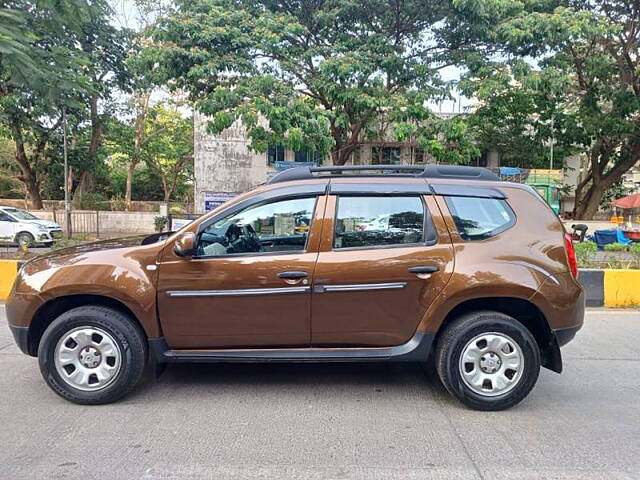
x,y
25,229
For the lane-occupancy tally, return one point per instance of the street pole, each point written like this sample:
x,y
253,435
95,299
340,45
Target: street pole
x,y
67,204
552,141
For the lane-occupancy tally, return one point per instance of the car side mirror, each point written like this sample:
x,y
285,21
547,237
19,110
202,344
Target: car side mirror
x,y
185,245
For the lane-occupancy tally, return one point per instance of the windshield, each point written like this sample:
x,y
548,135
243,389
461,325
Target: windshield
x,y
20,214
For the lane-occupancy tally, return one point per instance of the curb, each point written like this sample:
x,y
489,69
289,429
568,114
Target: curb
x,y
611,287
608,288
8,273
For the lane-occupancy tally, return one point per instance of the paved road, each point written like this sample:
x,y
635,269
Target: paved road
x,y
332,421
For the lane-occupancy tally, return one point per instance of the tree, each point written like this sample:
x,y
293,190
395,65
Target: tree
x,y
308,74
105,48
593,48
61,77
144,13
169,149
166,149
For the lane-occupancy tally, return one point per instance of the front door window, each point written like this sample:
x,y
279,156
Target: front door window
x,y
281,226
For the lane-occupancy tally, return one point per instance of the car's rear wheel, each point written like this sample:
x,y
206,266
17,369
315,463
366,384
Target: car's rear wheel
x,y
92,355
487,360
25,239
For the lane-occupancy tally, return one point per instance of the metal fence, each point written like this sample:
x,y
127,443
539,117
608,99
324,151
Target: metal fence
x,y
85,222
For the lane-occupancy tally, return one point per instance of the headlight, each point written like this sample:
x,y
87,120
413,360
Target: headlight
x,y
43,228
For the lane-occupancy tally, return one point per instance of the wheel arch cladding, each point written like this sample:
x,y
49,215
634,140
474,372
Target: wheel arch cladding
x,y
525,312
52,309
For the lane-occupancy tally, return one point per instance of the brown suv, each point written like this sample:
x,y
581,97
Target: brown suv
x,y
318,265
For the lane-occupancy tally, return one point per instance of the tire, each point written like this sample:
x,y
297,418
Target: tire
x,y
25,239
72,368
503,360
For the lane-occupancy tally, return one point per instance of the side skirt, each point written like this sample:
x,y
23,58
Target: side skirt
x,y
415,350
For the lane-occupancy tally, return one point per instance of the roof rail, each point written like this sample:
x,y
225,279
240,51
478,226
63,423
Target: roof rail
x,y
419,171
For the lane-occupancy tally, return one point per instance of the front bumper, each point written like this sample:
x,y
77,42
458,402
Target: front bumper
x,y
50,236
21,336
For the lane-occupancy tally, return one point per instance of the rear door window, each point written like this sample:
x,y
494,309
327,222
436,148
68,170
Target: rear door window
x,y
480,218
374,221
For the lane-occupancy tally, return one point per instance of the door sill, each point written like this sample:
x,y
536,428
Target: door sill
x,y
415,350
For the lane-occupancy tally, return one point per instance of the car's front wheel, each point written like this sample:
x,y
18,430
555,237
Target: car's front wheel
x,y
488,360
25,239
92,355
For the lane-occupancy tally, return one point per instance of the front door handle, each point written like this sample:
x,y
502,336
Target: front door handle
x,y
292,275
424,269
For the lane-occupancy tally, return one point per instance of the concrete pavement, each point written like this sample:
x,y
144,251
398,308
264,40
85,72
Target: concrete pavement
x,y
361,421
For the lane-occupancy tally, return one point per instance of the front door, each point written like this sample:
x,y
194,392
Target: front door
x,y
249,284
7,227
385,261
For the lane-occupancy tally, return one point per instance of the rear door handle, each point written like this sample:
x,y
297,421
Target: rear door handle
x,y
424,269
292,275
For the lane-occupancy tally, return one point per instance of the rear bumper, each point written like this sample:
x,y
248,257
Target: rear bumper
x,y
565,335
21,336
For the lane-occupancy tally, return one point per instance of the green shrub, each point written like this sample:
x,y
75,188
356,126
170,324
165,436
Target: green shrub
x,y
635,248
160,223
94,201
615,247
118,203
585,252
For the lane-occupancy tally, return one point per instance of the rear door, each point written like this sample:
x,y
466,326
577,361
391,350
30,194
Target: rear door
x,y
383,259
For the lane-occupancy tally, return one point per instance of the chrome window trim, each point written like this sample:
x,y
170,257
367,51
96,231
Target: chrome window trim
x,y
237,292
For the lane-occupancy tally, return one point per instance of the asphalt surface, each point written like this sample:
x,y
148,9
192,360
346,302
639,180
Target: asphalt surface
x,y
360,421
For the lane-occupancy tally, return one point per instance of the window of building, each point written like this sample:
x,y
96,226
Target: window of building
x,y
418,155
480,218
307,156
373,221
385,155
275,153
273,227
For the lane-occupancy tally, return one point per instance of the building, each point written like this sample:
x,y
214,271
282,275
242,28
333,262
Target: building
x,y
224,166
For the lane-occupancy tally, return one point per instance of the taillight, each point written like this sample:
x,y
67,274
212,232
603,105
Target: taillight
x,y
571,254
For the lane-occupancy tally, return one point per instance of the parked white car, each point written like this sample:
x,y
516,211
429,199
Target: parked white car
x,y
25,229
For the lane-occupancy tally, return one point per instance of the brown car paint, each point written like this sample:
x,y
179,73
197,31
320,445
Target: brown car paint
x,y
527,262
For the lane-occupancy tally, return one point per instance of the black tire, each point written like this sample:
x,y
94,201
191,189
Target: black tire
x,y
25,239
463,330
125,333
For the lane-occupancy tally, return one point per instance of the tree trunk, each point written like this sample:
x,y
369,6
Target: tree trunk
x,y
127,195
84,185
27,174
142,108
87,177
589,196
587,206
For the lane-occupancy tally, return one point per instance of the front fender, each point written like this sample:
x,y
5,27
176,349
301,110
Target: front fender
x,y
119,274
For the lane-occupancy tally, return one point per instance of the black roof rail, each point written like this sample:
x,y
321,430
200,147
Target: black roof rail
x,y
419,171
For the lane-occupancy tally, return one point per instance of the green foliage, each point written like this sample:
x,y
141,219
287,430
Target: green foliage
x,y
314,75
160,223
577,63
94,201
585,252
615,247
